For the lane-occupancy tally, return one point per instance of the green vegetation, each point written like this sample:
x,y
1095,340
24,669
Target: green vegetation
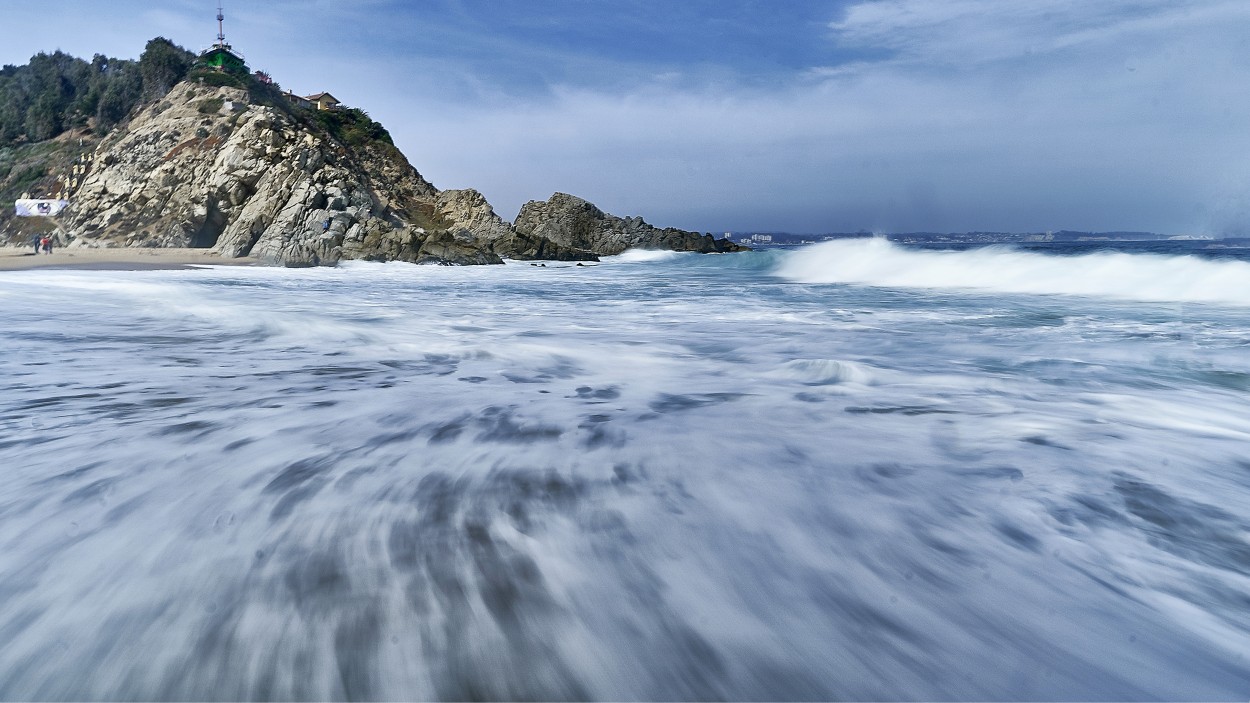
x,y
32,168
352,126
26,176
163,65
57,92
216,79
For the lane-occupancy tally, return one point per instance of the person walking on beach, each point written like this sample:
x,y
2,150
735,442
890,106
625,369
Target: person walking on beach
x,y
47,245
37,242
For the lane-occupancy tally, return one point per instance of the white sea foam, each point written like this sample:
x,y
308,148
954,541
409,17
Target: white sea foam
x,y
675,480
1143,277
635,256
821,372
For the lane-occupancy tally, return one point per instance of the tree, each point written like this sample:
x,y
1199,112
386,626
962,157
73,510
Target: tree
x,y
162,65
118,98
43,121
56,91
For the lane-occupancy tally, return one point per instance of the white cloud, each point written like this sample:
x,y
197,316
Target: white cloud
x,y
961,31
952,114
984,115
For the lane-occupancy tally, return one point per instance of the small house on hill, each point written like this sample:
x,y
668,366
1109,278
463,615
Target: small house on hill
x,y
298,100
318,101
324,101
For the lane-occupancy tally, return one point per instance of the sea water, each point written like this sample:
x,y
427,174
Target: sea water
x,y
851,471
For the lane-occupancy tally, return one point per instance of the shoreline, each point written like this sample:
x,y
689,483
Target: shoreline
x,y
114,259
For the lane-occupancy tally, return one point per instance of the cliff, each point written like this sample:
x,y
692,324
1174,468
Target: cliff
x,y
207,167
243,173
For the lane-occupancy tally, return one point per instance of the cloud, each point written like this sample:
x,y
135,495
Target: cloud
x,y
976,31
895,114
957,115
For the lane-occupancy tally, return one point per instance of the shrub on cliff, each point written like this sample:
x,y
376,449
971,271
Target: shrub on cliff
x,y
216,79
210,106
352,126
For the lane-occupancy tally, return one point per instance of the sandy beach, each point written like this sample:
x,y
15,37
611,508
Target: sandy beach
x,y
118,259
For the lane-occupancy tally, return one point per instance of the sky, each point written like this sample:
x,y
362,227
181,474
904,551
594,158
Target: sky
x,y
744,115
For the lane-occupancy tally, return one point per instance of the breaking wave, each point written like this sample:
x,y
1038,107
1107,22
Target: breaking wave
x,y
636,256
1140,277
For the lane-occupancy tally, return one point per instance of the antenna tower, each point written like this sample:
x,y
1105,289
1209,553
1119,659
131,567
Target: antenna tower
x,y
221,32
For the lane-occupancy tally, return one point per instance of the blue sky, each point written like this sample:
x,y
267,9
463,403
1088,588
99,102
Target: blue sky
x,y
842,115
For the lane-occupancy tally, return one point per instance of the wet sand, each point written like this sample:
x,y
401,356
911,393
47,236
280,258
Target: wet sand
x,y
118,259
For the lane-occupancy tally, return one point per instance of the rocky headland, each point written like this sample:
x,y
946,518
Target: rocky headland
x,y
576,224
242,172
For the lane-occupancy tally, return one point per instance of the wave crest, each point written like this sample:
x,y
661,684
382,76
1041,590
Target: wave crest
x,y
1140,277
643,255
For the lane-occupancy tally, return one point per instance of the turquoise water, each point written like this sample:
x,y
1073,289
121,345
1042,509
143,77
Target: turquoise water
x,y
853,471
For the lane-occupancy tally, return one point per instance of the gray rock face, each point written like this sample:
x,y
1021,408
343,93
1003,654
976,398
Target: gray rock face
x,y
577,224
249,182
473,216
260,180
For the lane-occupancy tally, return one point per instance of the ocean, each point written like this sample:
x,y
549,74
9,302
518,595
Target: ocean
x,y
854,470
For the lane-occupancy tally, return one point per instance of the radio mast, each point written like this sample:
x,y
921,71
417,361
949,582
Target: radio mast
x,y
221,32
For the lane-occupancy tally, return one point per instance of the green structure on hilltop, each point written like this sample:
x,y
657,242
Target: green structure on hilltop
x,y
221,56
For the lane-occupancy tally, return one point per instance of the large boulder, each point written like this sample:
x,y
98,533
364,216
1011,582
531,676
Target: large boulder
x,y
572,222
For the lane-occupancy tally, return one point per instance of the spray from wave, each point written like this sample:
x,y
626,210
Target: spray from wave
x,y
1117,275
637,256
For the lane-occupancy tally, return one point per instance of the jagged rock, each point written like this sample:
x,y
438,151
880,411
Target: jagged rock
x,y
571,222
445,247
262,180
469,213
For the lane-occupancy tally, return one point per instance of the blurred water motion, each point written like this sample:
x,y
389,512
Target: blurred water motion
x,y
665,478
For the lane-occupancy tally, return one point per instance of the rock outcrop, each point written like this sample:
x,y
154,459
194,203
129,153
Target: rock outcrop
x,y
572,222
474,218
207,168
211,167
